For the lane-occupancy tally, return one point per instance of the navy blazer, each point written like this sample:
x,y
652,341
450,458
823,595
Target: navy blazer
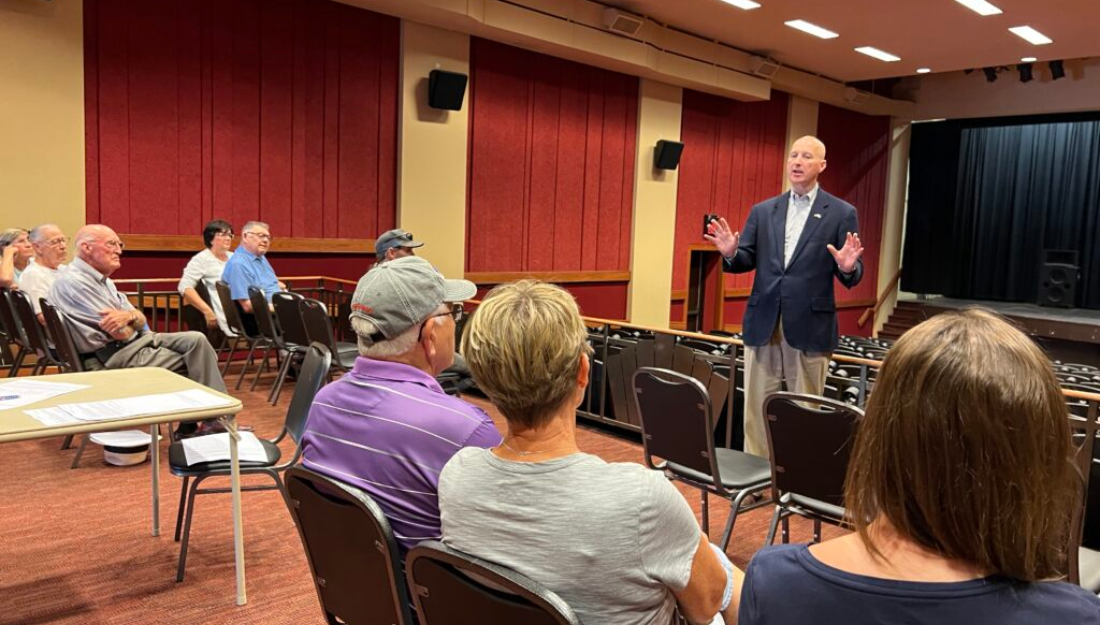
x,y
803,291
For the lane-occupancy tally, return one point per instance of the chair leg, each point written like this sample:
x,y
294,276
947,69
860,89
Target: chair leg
x,y
183,503
735,508
187,529
705,513
774,526
817,531
247,362
79,451
229,357
785,535
65,445
18,362
277,388
263,366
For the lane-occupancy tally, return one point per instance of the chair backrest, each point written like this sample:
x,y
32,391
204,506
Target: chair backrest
x,y
450,587
231,309
61,336
1083,431
676,419
351,550
32,330
11,323
316,320
262,312
809,442
288,313
311,377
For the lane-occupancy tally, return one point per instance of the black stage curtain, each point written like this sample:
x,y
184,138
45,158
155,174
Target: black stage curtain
x,y
986,197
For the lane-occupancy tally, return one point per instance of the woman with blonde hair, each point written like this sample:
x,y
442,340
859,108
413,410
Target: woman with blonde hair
x,y
615,540
961,489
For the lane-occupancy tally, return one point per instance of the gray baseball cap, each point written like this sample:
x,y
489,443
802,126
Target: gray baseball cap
x,y
396,238
402,293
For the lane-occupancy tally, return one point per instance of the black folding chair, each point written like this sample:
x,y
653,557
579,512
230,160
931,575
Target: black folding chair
x,y
319,329
270,336
450,587
242,331
809,443
353,556
196,321
14,329
310,379
677,422
35,334
61,337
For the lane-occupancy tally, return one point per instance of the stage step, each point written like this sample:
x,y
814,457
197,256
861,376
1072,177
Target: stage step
x,y
890,330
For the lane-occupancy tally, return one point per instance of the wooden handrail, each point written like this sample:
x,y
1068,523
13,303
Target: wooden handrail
x,y
871,312
134,281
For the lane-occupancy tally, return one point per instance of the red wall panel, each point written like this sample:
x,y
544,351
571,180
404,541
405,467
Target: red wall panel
x,y
858,152
278,110
551,163
733,158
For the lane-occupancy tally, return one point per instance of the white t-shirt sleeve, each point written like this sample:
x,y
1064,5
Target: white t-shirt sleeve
x,y
192,274
668,532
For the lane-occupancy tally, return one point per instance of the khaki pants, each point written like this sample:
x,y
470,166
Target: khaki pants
x,y
766,368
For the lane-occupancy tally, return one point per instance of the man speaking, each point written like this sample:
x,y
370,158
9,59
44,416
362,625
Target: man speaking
x,y
796,242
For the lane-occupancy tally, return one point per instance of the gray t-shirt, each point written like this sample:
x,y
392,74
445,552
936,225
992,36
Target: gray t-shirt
x,y
612,539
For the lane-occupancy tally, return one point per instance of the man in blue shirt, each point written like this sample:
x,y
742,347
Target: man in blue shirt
x,y
248,267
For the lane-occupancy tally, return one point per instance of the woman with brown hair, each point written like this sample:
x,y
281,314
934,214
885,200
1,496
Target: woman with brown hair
x,y
961,490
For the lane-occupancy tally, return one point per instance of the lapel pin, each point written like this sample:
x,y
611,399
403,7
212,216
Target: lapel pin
x,y
817,215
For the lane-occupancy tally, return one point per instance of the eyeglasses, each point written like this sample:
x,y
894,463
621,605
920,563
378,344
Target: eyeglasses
x,y
56,241
260,236
114,245
458,312
224,233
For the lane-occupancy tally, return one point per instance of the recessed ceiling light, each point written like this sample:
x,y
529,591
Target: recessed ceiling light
x,y
981,7
878,54
923,70
743,4
812,29
1031,35
1028,60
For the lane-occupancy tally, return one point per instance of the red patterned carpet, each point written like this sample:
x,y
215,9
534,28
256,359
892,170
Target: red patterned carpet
x,y
75,545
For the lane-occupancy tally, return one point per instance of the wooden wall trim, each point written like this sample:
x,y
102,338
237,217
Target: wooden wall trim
x,y
193,243
495,278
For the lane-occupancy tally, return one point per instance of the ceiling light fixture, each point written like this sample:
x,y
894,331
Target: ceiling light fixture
x,y
878,54
1030,35
1028,60
747,5
923,70
812,29
981,7
1057,70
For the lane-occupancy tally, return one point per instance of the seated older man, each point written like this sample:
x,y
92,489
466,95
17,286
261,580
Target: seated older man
x,y
248,266
108,331
387,427
51,246
615,540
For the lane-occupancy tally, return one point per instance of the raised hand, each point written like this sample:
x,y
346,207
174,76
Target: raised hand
x,y
847,256
722,237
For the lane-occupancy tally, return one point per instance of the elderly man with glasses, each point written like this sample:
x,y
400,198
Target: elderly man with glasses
x,y
248,267
387,427
108,331
51,246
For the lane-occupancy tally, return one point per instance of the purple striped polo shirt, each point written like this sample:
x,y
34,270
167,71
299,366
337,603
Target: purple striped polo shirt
x,y
388,429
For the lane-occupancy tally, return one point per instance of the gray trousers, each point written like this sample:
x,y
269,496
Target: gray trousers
x,y
188,353
766,368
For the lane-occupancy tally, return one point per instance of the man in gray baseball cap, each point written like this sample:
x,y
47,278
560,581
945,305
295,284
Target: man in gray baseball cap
x,y
394,244
387,426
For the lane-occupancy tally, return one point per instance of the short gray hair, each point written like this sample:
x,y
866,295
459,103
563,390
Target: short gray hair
x,y
9,236
387,348
249,225
36,235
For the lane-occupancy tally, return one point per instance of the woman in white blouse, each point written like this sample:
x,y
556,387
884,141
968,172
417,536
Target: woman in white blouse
x,y
207,266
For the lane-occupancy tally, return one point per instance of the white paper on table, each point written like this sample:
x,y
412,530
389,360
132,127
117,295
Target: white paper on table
x,y
31,391
52,416
216,448
152,404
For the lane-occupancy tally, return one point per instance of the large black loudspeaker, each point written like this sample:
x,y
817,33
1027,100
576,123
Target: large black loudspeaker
x,y
1058,279
666,155
446,90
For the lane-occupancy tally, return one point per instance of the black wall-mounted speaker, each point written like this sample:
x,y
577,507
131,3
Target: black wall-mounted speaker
x,y
666,156
446,90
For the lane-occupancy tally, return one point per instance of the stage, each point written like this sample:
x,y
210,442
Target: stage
x,y
1071,335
